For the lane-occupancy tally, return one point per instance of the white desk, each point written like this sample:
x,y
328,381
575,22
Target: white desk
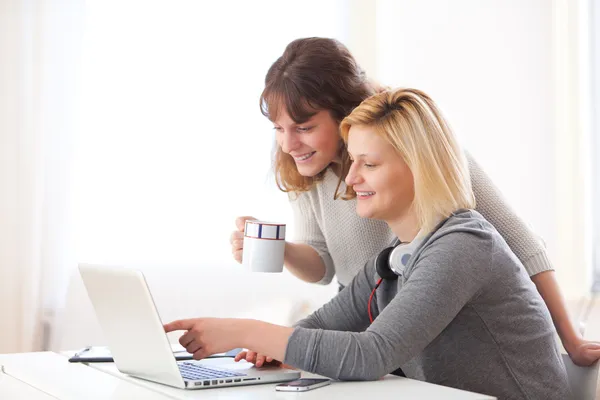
x,y
48,375
12,388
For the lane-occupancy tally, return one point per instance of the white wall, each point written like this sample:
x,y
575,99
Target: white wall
x,y
494,68
503,71
173,148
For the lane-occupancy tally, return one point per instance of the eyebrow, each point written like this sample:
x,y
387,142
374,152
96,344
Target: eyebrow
x,y
362,155
294,123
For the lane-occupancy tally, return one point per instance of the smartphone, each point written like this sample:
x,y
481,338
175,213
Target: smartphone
x,y
302,385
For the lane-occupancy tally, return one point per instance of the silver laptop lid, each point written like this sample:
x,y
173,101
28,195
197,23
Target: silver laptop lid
x,y
131,324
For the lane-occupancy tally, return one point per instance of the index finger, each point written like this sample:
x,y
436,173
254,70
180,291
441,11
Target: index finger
x,y
179,325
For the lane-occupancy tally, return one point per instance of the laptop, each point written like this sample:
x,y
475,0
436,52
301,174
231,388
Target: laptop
x,y
139,345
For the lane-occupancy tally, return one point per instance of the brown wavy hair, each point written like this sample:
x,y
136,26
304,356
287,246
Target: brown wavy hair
x,y
312,74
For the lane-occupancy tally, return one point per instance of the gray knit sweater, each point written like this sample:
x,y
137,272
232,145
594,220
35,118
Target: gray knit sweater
x,y
346,241
463,314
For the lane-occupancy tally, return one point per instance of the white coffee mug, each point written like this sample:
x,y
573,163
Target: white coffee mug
x,y
264,246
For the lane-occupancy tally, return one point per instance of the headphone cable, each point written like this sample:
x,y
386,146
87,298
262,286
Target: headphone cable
x,y
371,299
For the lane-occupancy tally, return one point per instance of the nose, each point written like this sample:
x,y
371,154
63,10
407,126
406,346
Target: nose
x,y
288,142
353,177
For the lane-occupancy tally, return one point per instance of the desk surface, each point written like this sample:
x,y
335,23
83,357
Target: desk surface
x,y
12,388
48,375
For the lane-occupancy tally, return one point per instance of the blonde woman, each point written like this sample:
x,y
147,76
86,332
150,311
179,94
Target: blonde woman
x,y
308,91
456,306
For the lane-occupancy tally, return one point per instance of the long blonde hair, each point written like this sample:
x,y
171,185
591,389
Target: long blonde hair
x,y
411,122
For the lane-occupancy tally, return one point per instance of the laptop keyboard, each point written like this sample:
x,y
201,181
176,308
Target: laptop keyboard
x,y
194,372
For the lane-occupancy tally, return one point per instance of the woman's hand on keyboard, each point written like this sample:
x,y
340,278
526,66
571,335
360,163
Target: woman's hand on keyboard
x,y
206,336
257,359
260,360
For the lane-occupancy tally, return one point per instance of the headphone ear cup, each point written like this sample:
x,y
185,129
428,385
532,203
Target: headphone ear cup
x,y
382,265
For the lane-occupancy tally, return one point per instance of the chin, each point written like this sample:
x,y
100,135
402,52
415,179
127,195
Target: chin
x,y
364,213
370,213
309,170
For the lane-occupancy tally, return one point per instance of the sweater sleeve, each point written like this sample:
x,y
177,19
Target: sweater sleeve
x,y
443,281
522,241
347,311
307,231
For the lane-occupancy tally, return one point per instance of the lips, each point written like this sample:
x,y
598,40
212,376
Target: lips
x,y
364,194
304,157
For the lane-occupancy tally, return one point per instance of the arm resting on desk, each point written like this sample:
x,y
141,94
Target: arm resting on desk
x,y
330,342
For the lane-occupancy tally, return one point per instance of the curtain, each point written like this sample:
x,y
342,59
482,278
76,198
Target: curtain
x,y
39,52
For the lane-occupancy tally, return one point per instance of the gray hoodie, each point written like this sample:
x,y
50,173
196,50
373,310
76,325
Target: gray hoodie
x,y
464,314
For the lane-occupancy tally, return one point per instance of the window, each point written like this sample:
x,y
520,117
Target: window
x,y
595,59
174,146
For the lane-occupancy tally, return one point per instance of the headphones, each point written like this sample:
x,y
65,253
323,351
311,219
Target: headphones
x,y
392,261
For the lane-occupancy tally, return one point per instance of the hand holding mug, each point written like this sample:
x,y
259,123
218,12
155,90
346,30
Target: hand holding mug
x,y
263,246
237,237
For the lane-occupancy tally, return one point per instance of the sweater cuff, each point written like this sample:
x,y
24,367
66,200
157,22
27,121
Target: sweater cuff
x,y
538,263
329,268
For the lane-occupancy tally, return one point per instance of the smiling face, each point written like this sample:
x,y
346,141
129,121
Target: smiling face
x,y
381,179
313,144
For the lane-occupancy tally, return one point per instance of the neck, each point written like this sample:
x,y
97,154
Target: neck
x,y
336,168
405,227
336,165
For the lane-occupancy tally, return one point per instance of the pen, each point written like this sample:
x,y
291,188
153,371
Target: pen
x,y
80,352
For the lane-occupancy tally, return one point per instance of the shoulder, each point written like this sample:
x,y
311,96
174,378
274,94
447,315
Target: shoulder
x,y
464,239
465,221
465,228
468,156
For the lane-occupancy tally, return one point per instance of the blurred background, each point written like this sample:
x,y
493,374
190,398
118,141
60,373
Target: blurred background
x,y
130,134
